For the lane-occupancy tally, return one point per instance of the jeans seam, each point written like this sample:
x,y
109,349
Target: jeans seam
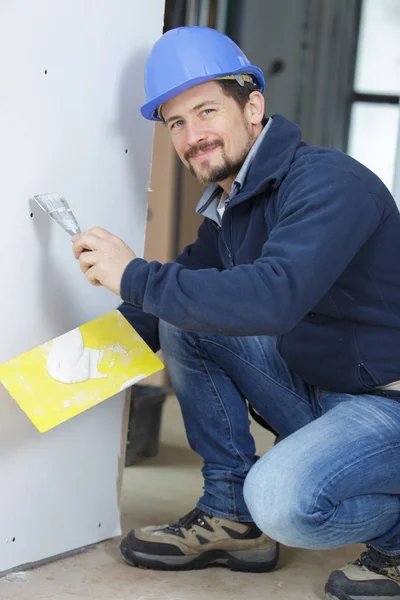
x,y
246,466
224,515
205,341
340,527
347,467
232,493
385,551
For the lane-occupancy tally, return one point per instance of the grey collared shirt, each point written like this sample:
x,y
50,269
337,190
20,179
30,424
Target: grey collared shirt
x,y
210,200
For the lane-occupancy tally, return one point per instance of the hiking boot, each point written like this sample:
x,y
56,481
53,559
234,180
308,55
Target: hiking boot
x,y
199,540
374,576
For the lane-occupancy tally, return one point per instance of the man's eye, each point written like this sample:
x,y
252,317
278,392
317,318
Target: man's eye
x,y
207,111
176,124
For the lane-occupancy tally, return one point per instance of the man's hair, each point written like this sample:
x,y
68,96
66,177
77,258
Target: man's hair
x,y
239,93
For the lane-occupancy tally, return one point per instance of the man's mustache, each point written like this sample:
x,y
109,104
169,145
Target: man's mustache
x,y
202,148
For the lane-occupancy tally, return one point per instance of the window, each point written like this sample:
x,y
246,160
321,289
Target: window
x,y
375,121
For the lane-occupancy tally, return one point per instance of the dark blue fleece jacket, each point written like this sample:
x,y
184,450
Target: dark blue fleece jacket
x,y
309,251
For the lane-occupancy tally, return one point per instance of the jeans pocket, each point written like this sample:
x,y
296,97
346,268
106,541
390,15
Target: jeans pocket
x,y
279,344
366,377
318,401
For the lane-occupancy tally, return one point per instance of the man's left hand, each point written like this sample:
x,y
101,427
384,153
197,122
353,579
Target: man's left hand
x,y
103,257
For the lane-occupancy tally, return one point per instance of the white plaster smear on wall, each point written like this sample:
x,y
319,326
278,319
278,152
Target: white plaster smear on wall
x,y
69,361
70,93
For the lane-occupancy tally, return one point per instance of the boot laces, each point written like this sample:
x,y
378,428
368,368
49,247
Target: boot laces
x,y
194,517
379,563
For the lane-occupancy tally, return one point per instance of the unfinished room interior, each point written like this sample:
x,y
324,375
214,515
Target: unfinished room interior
x,y
87,457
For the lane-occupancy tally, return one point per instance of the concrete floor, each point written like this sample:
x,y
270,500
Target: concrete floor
x,y
159,491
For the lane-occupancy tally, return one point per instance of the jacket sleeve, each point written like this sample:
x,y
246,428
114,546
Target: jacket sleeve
x,y
201,254
145,324
325,215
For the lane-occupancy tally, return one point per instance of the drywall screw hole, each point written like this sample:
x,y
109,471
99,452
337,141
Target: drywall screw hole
x,y
13,539
31,215
126,150
45,72
277,66
99,524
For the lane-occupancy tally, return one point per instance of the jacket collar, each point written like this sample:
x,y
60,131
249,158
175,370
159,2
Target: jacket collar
x,y
268,167
274,158
208,203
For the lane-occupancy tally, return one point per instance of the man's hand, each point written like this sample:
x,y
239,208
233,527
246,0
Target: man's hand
x,y
103,257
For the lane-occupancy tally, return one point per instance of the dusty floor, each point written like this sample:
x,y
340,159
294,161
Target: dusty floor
x,y
158,491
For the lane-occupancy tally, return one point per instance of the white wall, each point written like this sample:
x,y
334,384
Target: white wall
x,y
70,90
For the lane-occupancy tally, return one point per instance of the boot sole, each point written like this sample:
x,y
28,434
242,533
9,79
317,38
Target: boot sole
x,y
248,561
339,595
333,592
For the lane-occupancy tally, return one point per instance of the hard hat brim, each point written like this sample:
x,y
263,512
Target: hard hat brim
x,y
149,109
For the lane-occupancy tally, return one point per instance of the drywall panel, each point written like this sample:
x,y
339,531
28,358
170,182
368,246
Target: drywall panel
x,y
70,89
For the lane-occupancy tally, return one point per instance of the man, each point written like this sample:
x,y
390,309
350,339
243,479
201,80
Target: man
x,y
289,299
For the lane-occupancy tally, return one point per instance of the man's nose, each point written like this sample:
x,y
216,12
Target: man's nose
x,y
194,134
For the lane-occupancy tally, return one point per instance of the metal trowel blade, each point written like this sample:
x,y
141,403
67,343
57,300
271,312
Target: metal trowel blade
x,y
56,206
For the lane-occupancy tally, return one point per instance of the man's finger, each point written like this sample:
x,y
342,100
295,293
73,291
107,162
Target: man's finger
x,y
89,258
91,276
84,268
100,232
88,263
97,231
86,241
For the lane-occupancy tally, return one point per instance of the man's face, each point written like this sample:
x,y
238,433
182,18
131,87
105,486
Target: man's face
x,y
210,132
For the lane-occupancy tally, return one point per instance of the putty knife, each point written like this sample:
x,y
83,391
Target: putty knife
x,y
56,206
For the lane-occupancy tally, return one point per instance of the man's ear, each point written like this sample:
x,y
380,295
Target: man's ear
x,y
255,108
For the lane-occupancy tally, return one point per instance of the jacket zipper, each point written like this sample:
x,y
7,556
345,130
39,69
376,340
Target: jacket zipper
x,y
231,260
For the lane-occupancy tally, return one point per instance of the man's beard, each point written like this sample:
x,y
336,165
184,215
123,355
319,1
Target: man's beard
x,y
229,167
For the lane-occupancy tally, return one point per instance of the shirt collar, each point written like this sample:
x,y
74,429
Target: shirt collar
x,y
209,201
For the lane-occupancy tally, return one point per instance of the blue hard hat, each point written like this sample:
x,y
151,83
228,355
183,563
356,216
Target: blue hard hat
x,y
186,56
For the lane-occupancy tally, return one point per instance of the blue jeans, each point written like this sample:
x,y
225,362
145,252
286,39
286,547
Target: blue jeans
x,y
332,480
